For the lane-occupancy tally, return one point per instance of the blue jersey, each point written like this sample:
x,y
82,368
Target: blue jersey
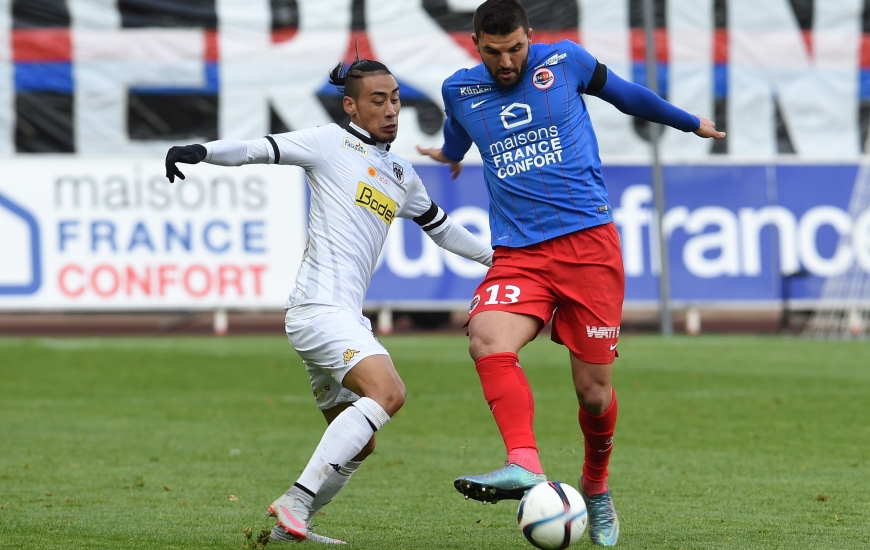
x,y
541,163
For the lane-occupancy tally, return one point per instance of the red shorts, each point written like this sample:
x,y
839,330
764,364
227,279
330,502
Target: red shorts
x,y
578,276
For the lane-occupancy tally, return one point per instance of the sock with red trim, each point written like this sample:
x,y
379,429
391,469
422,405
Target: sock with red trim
x,y
510,399
598,443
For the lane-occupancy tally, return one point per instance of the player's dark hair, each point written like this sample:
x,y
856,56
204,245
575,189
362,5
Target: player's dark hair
x,y
348,78
500,17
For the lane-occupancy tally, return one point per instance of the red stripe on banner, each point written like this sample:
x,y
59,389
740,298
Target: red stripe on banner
x,y
283,35
638,45
41,45
463,38
808,41
359,41
211,45
720,46
865,51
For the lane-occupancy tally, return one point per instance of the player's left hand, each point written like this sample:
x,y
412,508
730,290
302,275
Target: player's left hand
x,y
188,154
707,129
437,154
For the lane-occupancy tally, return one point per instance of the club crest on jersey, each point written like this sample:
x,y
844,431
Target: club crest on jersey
x,y
473,90
348,355
375,202
399,172
543,78
354,145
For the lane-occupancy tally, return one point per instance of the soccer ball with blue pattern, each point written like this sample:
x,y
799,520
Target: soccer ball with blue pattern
x,y
552,515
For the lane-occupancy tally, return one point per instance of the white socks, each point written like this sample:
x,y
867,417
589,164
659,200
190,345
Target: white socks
x,y
342,440
333,484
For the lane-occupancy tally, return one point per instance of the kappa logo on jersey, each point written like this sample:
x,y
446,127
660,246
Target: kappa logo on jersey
x,y
553,60
602,332
399,172
473,90
349,354
516,114
375,202
354,145
543,78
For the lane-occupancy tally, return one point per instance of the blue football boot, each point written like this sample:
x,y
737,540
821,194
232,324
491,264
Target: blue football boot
x,y
603,523
510,482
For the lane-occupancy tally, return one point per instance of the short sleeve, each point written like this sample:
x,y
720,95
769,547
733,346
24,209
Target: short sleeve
x,y
305,148
417,201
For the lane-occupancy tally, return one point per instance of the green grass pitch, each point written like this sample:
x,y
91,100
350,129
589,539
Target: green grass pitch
x,y
141,443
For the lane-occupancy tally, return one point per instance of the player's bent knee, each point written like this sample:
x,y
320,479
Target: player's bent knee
x,y
594,398
480,346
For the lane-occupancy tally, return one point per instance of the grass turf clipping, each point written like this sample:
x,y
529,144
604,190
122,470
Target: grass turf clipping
x,y
722,442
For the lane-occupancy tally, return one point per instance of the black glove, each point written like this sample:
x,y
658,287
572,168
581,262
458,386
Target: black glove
x,y
188,154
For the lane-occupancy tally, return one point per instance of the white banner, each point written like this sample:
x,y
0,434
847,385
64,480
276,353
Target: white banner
x,y
114,234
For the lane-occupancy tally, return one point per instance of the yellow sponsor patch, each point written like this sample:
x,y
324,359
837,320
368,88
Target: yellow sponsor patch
x,y
375,202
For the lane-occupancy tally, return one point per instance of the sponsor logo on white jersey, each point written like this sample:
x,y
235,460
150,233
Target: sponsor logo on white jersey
x,y
602,332
473,90
553,60
355,145
543,78
516,114
375,202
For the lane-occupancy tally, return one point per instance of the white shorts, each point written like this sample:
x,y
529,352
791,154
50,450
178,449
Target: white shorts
x,y
331,341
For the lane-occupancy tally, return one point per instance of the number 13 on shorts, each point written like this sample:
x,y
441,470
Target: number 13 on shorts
x,y
510,295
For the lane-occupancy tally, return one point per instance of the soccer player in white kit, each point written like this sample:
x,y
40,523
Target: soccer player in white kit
x,y
357,188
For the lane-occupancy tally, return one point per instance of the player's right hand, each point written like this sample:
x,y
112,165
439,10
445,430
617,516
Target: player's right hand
x,y
707,129
437,154
188,154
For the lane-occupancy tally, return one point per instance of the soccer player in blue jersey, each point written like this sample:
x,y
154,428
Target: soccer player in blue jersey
x,y
557,254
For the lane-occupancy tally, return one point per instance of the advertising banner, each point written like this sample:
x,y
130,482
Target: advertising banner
x,y
113,234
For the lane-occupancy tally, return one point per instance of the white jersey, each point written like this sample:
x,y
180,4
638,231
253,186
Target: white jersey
x,y
358,187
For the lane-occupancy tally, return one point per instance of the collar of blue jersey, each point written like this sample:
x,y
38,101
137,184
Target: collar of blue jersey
x,y
365,137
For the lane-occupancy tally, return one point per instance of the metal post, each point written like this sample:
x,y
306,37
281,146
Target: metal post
x,y
658,180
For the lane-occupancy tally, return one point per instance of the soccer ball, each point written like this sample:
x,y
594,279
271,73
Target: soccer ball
x,y
552,515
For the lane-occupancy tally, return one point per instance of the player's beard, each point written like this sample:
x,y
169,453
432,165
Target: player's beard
x,y
517,76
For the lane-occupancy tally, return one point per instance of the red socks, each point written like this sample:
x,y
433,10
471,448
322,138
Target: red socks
x,y
598,441
509,395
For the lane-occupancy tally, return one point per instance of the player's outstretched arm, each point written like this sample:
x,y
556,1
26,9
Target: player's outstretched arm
x,y
636,100
224,152
436,153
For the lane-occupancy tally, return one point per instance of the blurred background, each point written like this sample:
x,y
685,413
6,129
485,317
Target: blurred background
x,y
768,230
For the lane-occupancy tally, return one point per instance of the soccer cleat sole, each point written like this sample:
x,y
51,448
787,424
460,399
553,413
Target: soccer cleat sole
x,y
487,494
294,532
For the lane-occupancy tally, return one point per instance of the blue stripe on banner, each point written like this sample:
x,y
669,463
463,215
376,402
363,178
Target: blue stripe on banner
x,y
865,84
212,83
44,77
720,80
638,74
